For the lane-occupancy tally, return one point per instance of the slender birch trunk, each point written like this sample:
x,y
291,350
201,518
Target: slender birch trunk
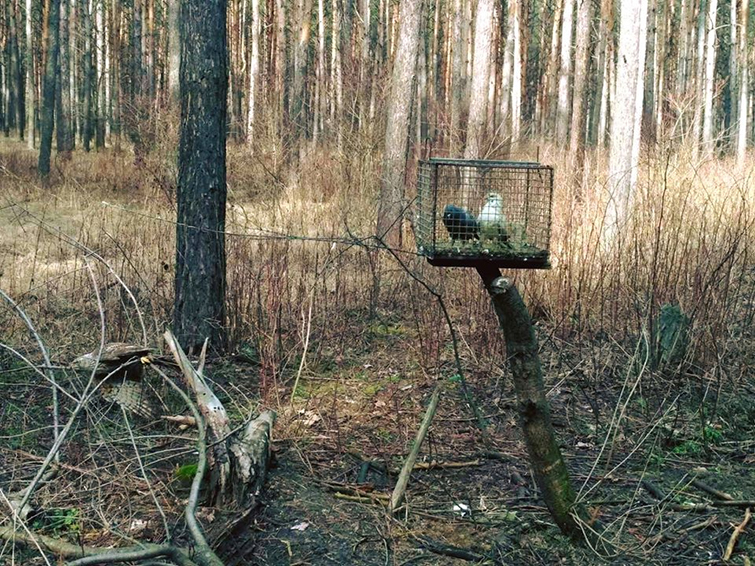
x,y
30,104
174,51
319,73
744,82
254,72
336,101
626,115
564,75
710,69
480,75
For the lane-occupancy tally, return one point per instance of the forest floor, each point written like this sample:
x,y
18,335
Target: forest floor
x,y
343,431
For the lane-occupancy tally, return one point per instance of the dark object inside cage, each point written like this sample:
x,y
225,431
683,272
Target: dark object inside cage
x,y
474,213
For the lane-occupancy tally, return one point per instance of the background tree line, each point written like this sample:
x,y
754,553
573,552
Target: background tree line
x,y
305,73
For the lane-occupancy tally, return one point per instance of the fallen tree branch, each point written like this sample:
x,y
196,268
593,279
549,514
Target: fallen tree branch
x,y
711,490
449,550
656,492
738,530
403,478
205,555
92,555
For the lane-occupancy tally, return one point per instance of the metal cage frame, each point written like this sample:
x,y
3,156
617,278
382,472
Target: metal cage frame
x,y
532,211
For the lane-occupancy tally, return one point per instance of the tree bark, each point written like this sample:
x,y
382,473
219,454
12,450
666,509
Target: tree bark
x,y
515,20
626,114
336,74
697,119
550,86
200,240
483,36
17,72
579,100
88,74
511,77
99,106
391,205
564,75
48,94
605,27
30,104
298,107
548,466
319,73
254,72
744,82
63,107
174,51
710,71
281,63
457,77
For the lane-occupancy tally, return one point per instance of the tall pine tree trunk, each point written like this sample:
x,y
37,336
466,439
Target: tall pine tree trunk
x,y
63,107
564,75
697,119
336,79
200,239
744,82
579,100
710,71
174,51
391,205
88,74
17,71
299,114
254,72
30,105
48,92
457,76
626,114
483,35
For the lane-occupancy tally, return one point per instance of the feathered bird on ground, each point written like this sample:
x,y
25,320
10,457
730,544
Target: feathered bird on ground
x,y
461,225
123,367
492,220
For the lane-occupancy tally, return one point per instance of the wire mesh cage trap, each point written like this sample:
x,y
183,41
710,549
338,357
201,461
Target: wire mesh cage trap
x,y
478,212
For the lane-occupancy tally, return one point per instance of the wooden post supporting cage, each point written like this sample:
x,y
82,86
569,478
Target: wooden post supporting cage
x,y
487,215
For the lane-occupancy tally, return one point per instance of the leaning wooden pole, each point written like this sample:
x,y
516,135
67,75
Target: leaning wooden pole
x,y
548,464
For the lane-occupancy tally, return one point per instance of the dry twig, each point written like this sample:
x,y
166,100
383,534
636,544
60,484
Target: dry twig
x,y
738,530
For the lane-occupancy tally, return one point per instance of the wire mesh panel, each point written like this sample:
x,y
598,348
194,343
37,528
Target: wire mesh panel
x,y
477,212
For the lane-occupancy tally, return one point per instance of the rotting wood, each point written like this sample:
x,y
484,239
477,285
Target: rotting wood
x,y
214,414
250,451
